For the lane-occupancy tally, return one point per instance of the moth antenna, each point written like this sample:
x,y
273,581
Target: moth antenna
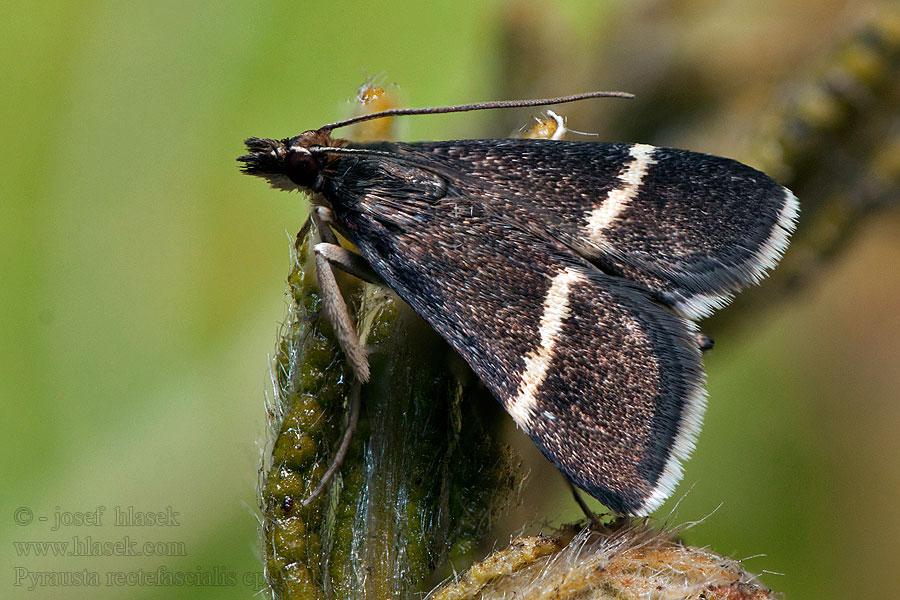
x,y
341,150
434,110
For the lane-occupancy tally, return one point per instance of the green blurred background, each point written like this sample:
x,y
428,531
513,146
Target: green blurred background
x,y
142,275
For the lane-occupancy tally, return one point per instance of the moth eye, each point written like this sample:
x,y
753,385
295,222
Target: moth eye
x,y
301,168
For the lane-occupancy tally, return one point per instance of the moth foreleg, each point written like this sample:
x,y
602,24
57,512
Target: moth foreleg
x,y
324,220
337,255
328,255
349,262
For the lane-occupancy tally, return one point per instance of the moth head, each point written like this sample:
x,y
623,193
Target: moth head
x,y
288,164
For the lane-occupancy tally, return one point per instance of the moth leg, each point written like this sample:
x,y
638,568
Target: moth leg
x,y
304,230
327,255
342,449
324,220
336,309
349,262
592,518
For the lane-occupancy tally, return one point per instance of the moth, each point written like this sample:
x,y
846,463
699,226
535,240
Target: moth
x,y
568,275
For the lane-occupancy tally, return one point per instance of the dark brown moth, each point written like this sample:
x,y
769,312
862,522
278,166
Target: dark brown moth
x,y
569,275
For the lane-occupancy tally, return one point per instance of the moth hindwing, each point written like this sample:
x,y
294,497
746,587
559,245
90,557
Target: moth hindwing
x,y
567,274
